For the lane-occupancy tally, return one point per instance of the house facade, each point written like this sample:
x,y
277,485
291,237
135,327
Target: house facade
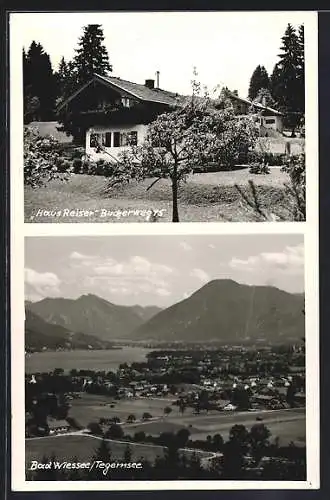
x,y
266,118
114,113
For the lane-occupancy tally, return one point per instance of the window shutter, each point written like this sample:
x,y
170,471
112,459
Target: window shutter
x,y
116,139
108,139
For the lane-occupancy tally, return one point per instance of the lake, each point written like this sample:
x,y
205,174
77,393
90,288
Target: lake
x,y
83,359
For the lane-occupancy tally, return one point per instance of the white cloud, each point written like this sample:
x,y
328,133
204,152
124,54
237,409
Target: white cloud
x,y
40,285
212,246
289,261
163,292
127,277
185,246
200,274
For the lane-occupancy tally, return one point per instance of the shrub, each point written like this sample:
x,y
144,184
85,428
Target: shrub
x,y
77,166
41,159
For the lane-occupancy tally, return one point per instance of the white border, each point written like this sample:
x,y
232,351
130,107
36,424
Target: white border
x,y
19,229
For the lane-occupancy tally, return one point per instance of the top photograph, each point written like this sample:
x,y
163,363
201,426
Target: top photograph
x,y
163,116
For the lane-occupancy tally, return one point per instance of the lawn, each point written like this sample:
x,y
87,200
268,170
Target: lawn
x,y
90,408
204,197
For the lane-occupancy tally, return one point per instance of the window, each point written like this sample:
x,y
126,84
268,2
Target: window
x,y
124,139
94,140
125,102
100,139
132,138
269,121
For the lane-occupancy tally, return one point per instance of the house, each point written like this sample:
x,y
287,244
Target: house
x,y
58,426
114,113
230,407
266,118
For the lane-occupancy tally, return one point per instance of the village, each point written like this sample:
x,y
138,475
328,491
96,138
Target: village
x,y
180,382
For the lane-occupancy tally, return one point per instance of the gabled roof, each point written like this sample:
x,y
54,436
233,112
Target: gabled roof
x,y
135,90
140,91
252,103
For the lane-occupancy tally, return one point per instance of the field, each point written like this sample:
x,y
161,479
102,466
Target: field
x,y
287,425
204,197
84,359
91,408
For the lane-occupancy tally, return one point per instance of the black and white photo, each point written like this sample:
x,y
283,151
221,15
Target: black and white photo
x,y
185,356
167,117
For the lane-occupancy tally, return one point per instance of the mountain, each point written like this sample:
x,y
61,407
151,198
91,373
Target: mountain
x,y
93,315
147,312
229,312
39,334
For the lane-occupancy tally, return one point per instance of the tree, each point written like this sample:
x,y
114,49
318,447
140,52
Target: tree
x,y
39,84
95,428
130,419
115,431
301,74
287,80
102,454
41,158
194,134
241,398
239,434
259,80
91,55
259,438
66,77
182,437
265,98
217,442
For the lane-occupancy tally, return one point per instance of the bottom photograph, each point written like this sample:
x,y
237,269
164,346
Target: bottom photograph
x,y
165,358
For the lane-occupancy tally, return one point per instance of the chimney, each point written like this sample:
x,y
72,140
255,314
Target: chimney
x,y
157,79
150,83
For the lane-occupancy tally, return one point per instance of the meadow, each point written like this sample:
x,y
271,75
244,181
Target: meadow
x,y
203,198
286,425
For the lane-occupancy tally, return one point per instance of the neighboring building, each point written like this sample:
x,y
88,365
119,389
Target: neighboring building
x,y
267,118
115,113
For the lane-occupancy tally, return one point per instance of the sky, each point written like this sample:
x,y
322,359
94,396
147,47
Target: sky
x,y
225,47
158,270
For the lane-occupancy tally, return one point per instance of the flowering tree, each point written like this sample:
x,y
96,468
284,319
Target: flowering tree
x,y
41,158
194,134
